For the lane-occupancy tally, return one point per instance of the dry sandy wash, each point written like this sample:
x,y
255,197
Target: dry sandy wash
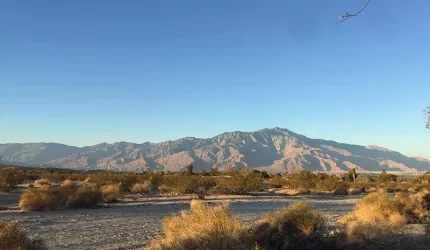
x,y
131,224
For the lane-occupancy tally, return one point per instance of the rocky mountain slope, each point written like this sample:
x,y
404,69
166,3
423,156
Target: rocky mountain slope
x,y
274,150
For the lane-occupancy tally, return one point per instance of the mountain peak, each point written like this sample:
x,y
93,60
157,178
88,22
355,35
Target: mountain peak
x,y
271,149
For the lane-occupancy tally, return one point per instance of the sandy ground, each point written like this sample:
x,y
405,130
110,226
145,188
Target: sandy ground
x,y
131,224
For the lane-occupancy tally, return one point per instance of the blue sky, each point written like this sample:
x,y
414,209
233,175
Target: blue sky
x,y
84,72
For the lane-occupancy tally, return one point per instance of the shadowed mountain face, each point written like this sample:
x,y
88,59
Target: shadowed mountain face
x,y
274,150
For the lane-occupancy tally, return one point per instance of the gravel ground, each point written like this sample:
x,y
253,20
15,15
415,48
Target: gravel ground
x,y
130,225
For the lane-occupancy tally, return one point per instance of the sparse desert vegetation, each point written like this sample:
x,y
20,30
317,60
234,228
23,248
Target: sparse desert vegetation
x,y
111,192
203,227
113,186
377,221
141,187
14,237
49,198
9,179
377,216
296,227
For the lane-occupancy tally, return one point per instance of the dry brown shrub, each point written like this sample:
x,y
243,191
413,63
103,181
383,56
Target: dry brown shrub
x,y
363,233
64,197
87,196
353,191
203,227
111,192
416,205
39,200
14,237
68,183
163,189
289,228
341,189
142,187
9,179
42,183
377,212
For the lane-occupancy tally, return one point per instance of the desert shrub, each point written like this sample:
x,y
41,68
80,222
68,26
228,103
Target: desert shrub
x,y
187,184
14,237
110,178
39,200
341,189
156,179
203,227
9,178
163,189
351,175
385,177
379,237
57,198
86,196
239,182
375,217
327,182
424,178
415,206
111,192
365,178
54,176
140,188
42,183
301,180
277,181
68,183
296,227
62,175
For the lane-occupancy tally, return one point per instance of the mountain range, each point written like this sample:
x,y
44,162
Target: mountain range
x,y
273,150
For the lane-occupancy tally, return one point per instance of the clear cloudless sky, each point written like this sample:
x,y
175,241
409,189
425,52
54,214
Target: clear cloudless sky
x,y
84,72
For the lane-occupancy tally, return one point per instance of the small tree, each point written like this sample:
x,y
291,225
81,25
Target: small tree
x,y
190,169
351,175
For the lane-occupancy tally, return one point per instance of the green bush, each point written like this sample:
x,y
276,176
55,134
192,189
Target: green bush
x,y
239,182
327,183
301,180
187,184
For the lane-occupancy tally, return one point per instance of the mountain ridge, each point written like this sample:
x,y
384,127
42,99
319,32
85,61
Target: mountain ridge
x,y
274,150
